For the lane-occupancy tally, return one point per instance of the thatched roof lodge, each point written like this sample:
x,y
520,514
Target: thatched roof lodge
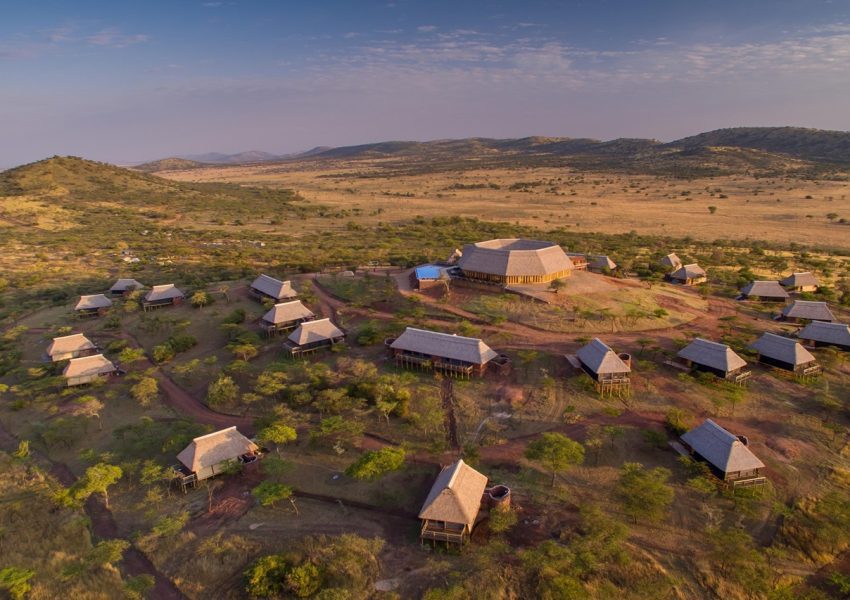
x,y
286,315
452,506
265,287
610,371
803,311
92,305
123,286
671,261
87,369
312,335
785,353
163,295
728,455
211,454
713,357
764,291
819,333
692,274
445,352
514,261
70,346
801,282
600,263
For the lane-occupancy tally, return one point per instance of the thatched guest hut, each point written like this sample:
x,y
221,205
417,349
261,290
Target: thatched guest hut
x,y
610,371
310,336
818,333
514,261
692,274
785,353
269,288
87,369
124,286
671,262
452,506
728,455
805,311
93,305
451,354
213,453
801,282
764,291
716,358
600,264
70,346
163,295
285,316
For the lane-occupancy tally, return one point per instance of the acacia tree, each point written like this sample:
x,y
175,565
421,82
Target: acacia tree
x,y
146,391
278,433
555,451
375,464
222,391
644,493
89,406
97,479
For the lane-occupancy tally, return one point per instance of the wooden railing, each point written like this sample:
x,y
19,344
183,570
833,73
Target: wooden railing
x,y
429,532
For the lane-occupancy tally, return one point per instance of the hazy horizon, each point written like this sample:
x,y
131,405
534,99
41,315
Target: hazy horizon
x,y
130,84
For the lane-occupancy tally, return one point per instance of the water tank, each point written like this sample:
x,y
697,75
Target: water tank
x,y
499,496
626,358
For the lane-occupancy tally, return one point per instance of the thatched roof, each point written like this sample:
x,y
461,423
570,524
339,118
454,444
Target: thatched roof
x,y
783,349
692,271
804,279
310,332
214,448
455,496
444,345
279,290
124,285
97,364
69,343
806,309
163,292
712,354
600,359
601,262
827,333
672,261
764,289
287,311
92,302
722,449
514,257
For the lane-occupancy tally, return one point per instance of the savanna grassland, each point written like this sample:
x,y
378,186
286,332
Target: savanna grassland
x,y
354,442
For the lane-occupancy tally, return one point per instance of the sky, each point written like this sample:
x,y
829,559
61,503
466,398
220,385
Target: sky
x,y
126,82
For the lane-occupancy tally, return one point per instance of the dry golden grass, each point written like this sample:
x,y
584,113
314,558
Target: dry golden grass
x,y
772,209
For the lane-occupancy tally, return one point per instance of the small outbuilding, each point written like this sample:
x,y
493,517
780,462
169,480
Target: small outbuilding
x,y
728,455
692,274
269,288
610,371
310,336
124,286
805,311
448,353
716,358
452,506
600,263
213,453
70,346
801,282
764,291
285,316
671,262
819,333
87,369
424,277
163,295
785,353
93,305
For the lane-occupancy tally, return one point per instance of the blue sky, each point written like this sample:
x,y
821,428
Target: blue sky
x,y
132,81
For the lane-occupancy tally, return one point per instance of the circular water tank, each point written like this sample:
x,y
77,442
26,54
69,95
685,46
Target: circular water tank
x,y
499,496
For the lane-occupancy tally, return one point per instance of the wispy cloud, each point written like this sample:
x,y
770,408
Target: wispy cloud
x,y
426,28
114,38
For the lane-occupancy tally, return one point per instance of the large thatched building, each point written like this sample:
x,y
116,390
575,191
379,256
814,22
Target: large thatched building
x,y
452,506
728,455
515,261
445,352
716,358
785,353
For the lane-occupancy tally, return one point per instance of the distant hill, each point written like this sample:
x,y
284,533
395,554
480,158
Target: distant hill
x,y
169,164
807,144
217,158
